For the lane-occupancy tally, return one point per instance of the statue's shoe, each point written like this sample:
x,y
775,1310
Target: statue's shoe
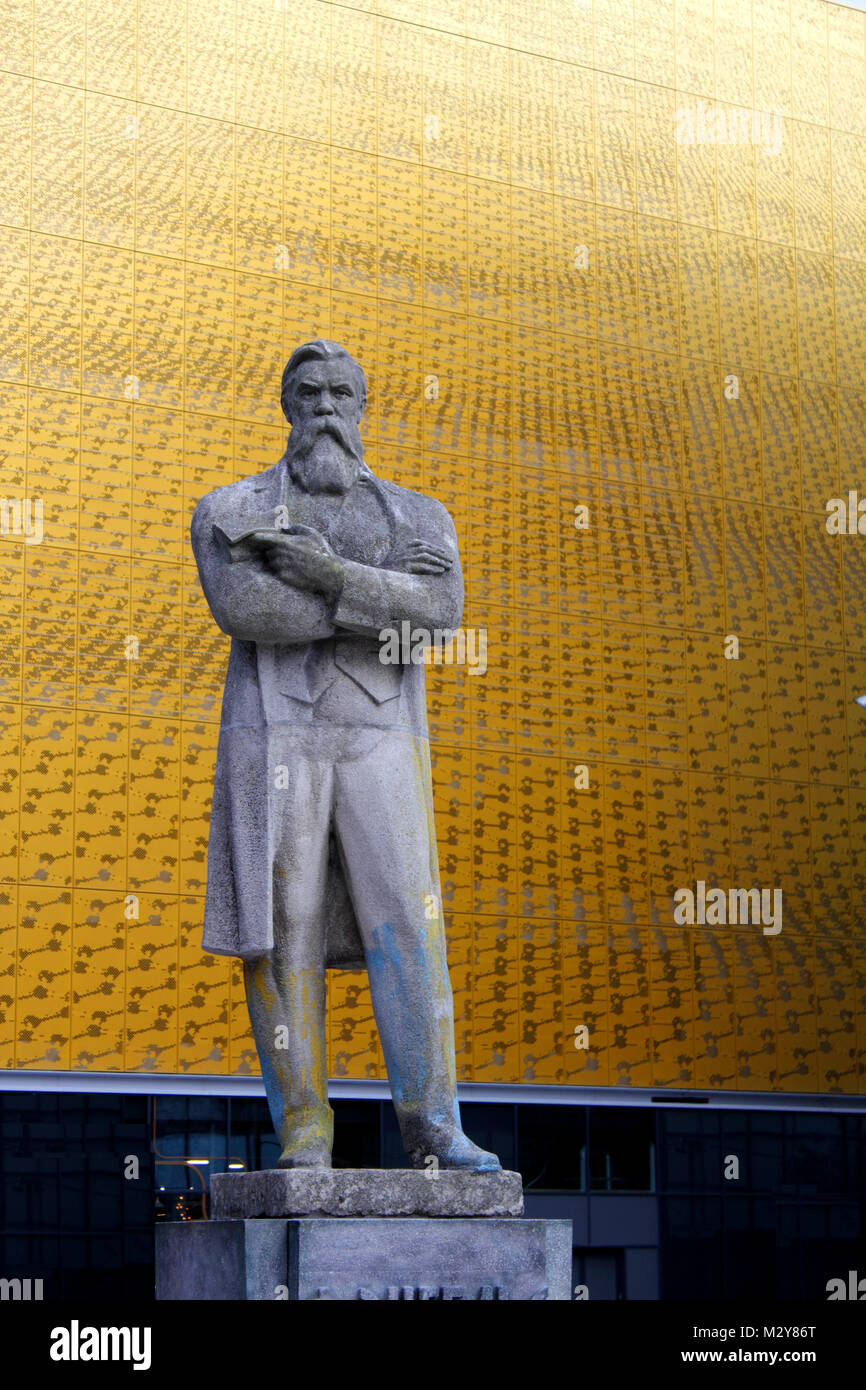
x,y
452,1149
310,1156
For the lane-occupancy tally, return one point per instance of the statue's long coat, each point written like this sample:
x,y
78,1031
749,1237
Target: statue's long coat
x,y
287,647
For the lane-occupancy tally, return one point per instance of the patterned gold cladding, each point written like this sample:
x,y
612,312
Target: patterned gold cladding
x,y
491,195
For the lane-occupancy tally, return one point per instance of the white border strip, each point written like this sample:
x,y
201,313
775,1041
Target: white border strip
x,y
200,1084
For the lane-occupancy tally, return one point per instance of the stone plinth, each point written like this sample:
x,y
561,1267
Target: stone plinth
x,y
373,1258
379,1192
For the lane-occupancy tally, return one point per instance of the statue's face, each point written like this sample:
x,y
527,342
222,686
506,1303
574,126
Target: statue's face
x,y
325,448
327,387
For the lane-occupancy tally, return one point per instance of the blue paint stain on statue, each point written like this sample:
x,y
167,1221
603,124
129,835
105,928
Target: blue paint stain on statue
x,y
400,971
322,849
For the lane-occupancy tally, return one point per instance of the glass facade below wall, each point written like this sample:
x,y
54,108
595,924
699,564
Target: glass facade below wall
x,y
665,1203
77,1195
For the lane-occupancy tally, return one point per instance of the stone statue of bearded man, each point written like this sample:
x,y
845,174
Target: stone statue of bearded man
x,y
322,840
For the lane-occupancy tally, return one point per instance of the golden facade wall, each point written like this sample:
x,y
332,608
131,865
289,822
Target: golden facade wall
x,y
492,194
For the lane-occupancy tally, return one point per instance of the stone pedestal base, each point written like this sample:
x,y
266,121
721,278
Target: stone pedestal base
x,y
364,1192
368,1257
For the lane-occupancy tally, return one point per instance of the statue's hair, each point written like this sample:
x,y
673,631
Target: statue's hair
x,y
319,350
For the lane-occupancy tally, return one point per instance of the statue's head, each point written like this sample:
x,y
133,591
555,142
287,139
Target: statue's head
x,y
324,393
322,359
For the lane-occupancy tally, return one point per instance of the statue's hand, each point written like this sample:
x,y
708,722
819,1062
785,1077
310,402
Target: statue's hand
x,y
421,557
309,533
303,558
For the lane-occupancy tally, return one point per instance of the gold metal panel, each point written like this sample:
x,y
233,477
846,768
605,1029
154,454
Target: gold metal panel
x,y
561,305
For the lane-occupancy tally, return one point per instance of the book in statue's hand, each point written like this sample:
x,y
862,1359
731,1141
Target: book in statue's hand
x,y
248,541
241,543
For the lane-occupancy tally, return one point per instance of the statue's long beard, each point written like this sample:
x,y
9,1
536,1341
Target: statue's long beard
x,y
325,457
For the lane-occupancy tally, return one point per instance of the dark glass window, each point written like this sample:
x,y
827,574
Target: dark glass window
x,y
692,1264
815,1155
622,1150
69,1213
816,1242
356,1133
760,1141
749,1248
551,1147
601,1272
689,1151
